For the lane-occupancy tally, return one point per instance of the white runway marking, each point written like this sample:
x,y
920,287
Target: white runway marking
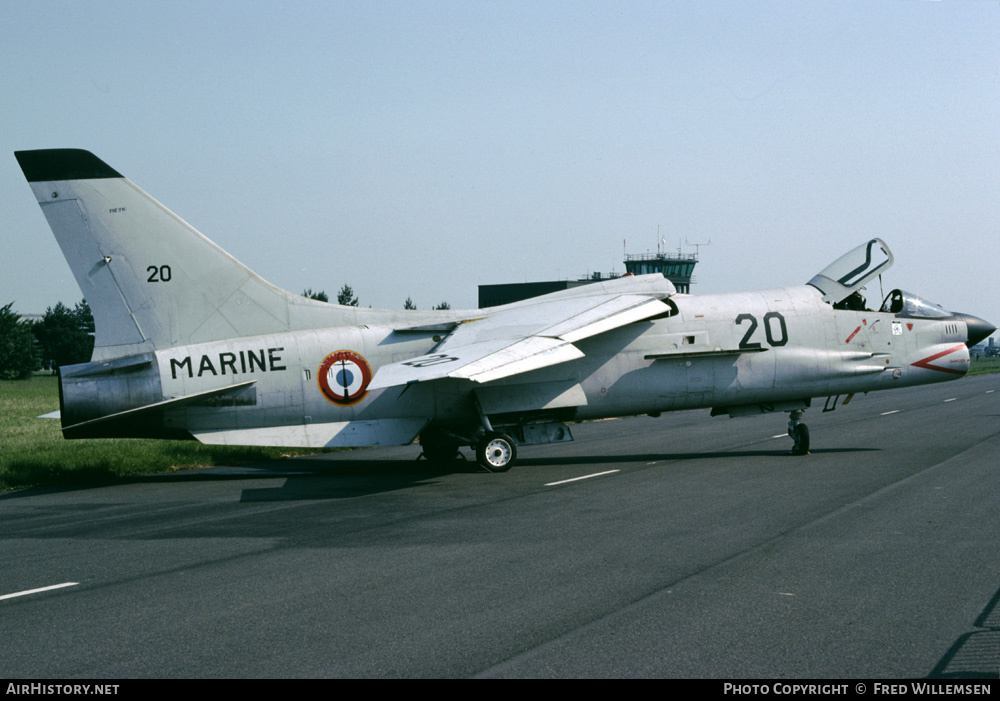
x,y
585,477
886,413
36,591
253,473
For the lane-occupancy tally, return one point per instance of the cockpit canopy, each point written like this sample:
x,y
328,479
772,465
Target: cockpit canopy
x,y
840,281
910,306
851,271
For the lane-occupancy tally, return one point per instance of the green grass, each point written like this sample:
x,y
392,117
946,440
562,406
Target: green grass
x,y
984,366
33,451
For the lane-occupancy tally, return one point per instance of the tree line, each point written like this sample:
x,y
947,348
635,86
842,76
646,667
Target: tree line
x,y
63,336
347,298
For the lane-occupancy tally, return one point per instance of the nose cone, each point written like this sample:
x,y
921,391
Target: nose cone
x,y
978,329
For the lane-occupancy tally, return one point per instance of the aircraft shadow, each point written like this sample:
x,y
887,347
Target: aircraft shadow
x,y
650,457
344,478
375,475
974,655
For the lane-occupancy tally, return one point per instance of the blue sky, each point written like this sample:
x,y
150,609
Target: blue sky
x,y
419,149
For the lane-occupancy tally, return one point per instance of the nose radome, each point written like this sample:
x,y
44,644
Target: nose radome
x,y
978,329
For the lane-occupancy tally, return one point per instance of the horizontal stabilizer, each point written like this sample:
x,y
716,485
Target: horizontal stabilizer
x,y
141,422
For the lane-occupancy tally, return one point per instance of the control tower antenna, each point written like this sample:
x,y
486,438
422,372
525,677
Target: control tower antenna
x,y
697,246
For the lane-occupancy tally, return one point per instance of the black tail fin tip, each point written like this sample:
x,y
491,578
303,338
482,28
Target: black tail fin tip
x,y
63,164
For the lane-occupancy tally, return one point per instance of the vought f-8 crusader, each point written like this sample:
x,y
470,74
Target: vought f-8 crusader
x,y
189,343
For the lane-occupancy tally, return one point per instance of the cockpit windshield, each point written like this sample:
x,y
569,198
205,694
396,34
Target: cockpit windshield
x,y
851,271
908,305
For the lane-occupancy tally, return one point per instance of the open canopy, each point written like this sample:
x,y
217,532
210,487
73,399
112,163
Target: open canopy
x,y
851,271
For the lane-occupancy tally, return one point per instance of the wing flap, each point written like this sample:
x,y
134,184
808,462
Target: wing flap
x,y
479,362
521,339
616,312
532,353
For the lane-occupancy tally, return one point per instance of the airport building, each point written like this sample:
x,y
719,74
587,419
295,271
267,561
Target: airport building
x,y
677,267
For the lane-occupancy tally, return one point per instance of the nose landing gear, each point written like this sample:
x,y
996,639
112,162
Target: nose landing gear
x,y
798,432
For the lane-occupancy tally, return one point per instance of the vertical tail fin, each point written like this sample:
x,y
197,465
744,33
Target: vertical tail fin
x,y
151,280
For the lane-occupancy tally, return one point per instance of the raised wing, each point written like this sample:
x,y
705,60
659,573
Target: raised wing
x,y
519,338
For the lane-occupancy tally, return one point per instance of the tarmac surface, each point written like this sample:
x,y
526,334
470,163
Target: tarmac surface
x,y
695,547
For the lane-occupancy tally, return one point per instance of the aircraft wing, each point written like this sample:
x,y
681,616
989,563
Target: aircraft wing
x,y
514,340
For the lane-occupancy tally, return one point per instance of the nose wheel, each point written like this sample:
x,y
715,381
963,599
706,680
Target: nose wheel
x,y
798,432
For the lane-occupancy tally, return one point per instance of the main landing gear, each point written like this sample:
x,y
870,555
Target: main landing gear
x,y
495,448
798,432
439,446
495,451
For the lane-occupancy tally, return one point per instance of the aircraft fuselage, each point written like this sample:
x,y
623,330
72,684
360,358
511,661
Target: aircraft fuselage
x,y
749,351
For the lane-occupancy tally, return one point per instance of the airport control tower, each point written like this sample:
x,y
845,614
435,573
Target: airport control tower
x,y
676,267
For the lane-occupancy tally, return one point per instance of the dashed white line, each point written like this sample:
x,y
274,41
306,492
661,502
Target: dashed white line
x,y
781,435
585,477
39,590
894,411
950,400
990,391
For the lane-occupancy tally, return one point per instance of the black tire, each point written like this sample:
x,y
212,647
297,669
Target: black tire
x,y
496,452
800,434
438,447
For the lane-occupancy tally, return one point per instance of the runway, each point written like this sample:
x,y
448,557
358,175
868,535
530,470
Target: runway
x,y
681,546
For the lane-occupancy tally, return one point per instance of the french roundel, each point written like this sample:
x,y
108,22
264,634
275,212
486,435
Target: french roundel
x,y
343,377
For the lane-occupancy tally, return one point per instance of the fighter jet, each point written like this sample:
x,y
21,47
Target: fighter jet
x,y
189,343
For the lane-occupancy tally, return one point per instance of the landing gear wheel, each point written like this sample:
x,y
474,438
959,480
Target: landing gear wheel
x,y
435,452
438,447
496,452
800,434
